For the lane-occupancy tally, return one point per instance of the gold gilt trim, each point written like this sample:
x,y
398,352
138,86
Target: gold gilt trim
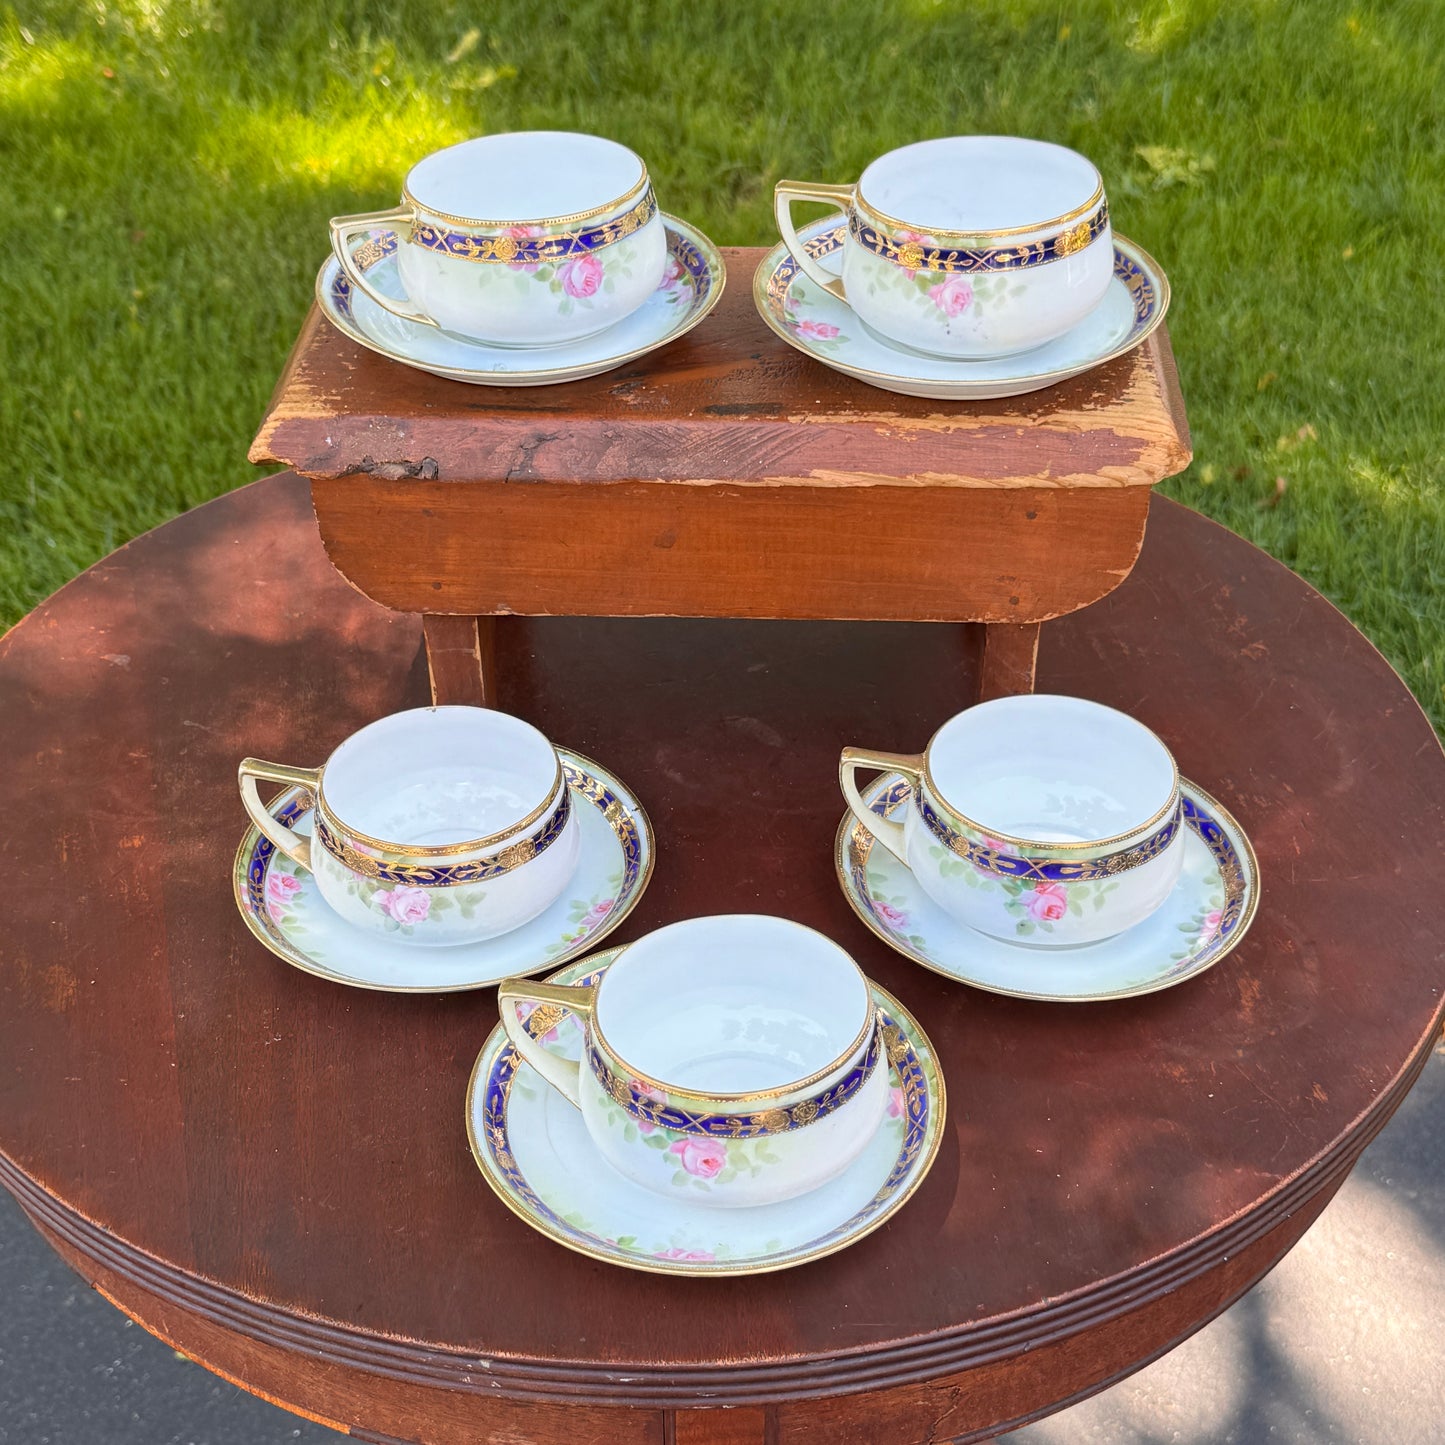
x,y
891,1200
853,835
506,249
770,299
684,320
417,850
1044,845
863,204
269,935
626,198
618,1064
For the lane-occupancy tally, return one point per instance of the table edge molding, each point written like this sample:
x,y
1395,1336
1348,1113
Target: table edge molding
x,y
675,1386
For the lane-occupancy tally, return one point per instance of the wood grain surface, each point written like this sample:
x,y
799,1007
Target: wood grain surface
x,y
729,402
634,549
273,1171
724,475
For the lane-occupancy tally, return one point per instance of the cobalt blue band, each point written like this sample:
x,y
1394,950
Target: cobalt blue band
x,y
1049,870
509,248
926,255
646,1108
446,875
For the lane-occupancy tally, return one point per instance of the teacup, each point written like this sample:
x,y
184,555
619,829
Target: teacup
x,y
441,825
967,247
1039,819
731,1061
575,242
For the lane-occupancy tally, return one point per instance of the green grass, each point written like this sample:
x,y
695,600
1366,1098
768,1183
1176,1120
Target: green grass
x,y
166,171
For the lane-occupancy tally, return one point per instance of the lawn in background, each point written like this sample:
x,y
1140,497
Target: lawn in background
x,y
166,171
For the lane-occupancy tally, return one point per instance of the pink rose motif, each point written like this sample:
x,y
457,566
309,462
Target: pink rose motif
x,y
702,1157
895,918
671,274
1211,922
646,1091
596,914
676,1253
818,330
896,1106
520,234
281,888
581,276
1048,902
952,297
406,905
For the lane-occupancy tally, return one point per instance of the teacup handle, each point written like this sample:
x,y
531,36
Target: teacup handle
x,y
292,844
884,830
784,194
562,1074
342,230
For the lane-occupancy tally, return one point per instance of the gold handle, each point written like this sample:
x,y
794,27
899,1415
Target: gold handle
x,y
562,1074
884,830
342,230
784,194
293,845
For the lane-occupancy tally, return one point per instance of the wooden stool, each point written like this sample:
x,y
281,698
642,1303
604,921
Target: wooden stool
x,y
272,1171
723,476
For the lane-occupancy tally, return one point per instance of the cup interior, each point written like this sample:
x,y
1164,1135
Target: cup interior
x,y
535,175
731,1005
1051,769
439,776
978,183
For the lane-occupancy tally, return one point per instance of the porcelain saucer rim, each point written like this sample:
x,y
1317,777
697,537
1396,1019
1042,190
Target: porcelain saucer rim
x,y
1036,381
1218,811
298,960
721,1269
577,370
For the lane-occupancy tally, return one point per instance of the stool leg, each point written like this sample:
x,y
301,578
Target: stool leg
x,y
461,656
1010,650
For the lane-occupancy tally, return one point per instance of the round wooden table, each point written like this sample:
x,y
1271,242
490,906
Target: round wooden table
x,y
272,1172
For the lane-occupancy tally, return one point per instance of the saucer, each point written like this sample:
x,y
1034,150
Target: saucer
x,y
284,909
828,330
534,1150
1208,912
691,288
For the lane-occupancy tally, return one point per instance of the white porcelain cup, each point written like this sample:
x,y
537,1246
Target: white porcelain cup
x,y
731,1061
967,247
1039,819
441,825
572,243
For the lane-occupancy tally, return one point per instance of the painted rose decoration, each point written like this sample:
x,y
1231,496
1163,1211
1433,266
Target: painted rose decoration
x,y
705,1158
281,891
581,276
407,906
953,296
1047,902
